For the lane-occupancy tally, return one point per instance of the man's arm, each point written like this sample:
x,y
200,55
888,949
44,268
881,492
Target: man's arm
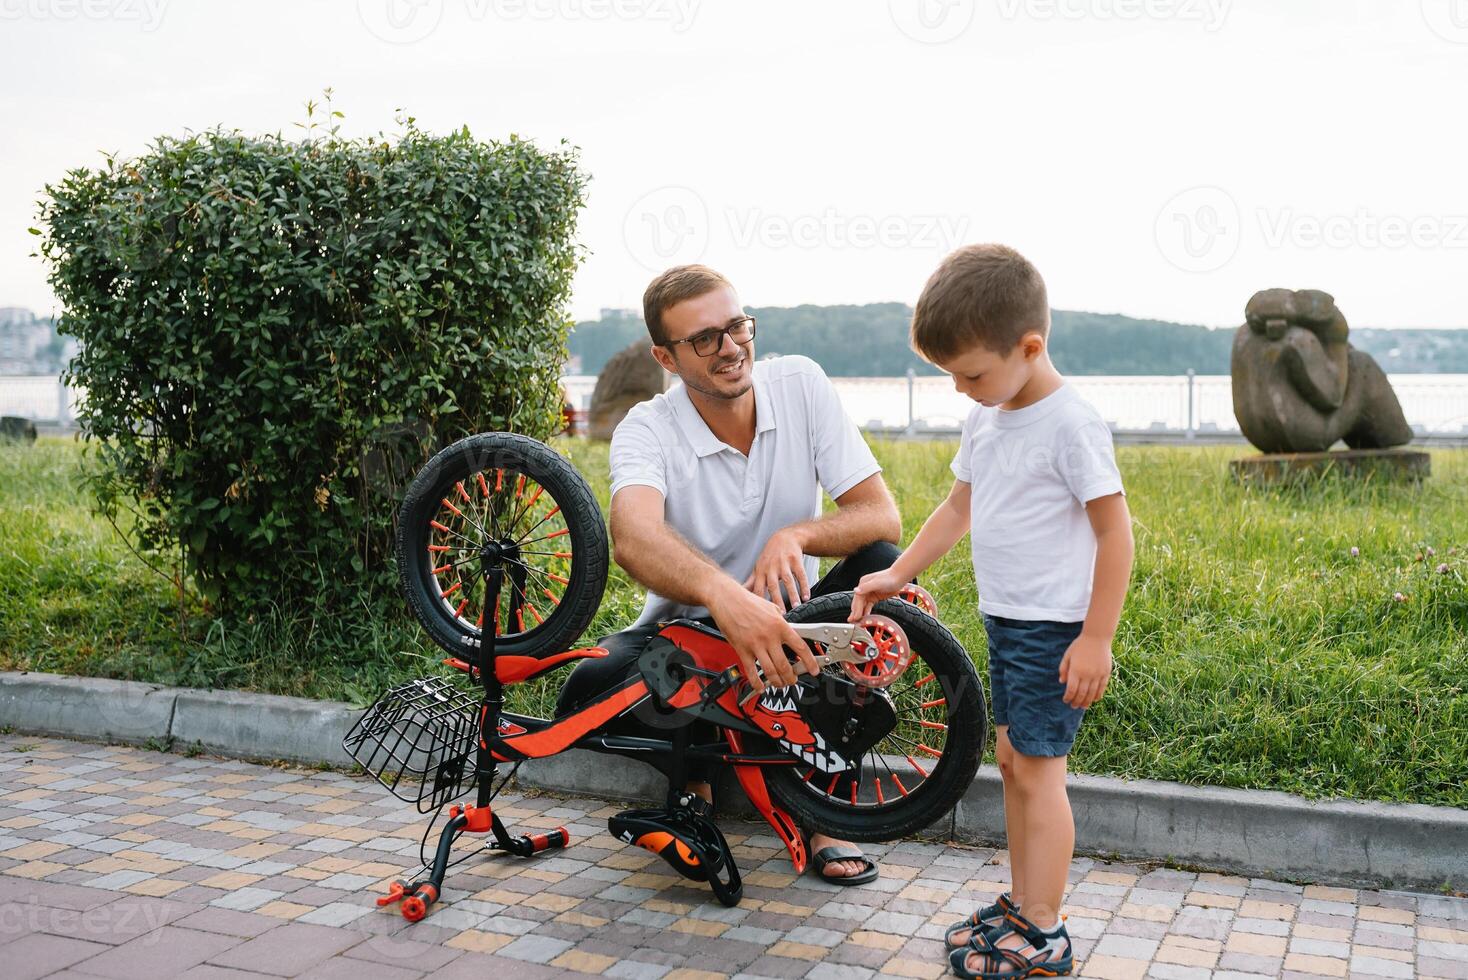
x,y
864,514
661,559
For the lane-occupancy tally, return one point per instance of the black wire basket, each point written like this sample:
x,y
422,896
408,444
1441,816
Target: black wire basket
x,y
418,741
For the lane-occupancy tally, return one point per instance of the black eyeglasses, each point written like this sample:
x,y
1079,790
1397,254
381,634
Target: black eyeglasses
x,y
706,344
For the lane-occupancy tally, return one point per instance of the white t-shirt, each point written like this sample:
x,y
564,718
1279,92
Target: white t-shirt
x,y
726,504
1032,471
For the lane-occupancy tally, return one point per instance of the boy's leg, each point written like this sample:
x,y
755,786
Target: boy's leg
x,y
1039,784
1014,815
1014,828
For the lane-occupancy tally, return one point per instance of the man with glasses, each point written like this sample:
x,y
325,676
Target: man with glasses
x,y
716,500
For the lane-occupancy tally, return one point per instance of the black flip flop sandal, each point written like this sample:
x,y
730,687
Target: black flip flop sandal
x,y
985,919
830,855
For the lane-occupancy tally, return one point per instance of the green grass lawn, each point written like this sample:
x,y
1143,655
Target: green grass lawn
x,y
1254,651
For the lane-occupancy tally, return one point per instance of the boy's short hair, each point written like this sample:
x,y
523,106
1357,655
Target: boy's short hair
x,y
987,295
671,288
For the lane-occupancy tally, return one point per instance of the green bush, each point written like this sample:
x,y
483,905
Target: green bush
x,y
274,332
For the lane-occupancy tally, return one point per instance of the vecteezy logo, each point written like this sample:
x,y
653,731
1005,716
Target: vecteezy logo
x,y
931,21
666,227
1200,229
400,21
1447,18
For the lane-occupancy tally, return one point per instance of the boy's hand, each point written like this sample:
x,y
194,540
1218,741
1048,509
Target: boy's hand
x,y
1085,671
781,562
871,590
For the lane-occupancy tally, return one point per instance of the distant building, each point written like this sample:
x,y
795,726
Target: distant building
x,y
29,345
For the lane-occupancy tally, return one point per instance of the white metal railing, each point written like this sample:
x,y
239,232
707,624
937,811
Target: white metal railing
x,y
1185,405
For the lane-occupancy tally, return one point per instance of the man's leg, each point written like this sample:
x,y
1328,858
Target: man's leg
x,y
844,575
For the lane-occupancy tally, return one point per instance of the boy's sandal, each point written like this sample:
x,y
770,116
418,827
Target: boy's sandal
x,y
1010,964
831,855
986,918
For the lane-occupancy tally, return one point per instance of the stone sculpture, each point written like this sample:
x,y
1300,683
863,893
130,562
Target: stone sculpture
x,y
1299,386
631,376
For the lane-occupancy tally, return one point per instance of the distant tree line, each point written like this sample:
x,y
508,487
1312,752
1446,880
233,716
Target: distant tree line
x,y
871,341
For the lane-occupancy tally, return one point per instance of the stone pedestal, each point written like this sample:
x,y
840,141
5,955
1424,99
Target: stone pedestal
x,y
1374,464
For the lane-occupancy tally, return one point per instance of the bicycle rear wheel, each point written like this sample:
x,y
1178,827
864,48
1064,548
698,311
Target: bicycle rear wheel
x,y
512,497
921,768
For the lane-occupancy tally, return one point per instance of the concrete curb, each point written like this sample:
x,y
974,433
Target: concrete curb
x,y
1248,832
233,723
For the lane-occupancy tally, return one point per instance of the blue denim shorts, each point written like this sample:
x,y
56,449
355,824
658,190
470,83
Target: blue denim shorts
x,y
1024,679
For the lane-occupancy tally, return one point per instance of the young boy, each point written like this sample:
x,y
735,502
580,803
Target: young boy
x,y
1037,486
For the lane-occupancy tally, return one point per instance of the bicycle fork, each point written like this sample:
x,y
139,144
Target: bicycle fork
x,y
417,896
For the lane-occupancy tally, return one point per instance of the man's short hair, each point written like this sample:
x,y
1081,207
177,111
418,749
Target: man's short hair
x,y
671,288
987,295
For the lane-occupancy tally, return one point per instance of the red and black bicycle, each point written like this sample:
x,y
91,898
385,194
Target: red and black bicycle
x,y
503,556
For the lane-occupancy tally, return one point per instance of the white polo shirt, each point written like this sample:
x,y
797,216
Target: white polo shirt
x,y
726,504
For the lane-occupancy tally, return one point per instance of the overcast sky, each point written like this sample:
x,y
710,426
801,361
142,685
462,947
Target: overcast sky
x,y
1160,158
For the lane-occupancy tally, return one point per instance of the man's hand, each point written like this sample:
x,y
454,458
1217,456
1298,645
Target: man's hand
x,y
757,631
781,562
1085,670
871,590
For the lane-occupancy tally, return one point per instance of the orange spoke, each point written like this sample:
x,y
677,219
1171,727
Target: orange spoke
x,y
900,788
535,613
806,777
853,792
483,486
443,568
450,506
830,790
520,487
438,547
556,578
534,497
880,801
925,680
914,763
934,724
460,611
462,493
520,618
499,480
933,704
932,752
551,596
452,589
440,527
558,533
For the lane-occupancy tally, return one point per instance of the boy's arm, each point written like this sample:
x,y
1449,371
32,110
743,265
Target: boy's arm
x,y
1086,667
941,531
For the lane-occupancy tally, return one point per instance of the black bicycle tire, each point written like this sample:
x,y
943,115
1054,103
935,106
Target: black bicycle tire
x,y
953,774
582,515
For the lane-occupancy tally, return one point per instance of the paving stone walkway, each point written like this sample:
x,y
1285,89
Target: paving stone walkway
x,y
122,862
